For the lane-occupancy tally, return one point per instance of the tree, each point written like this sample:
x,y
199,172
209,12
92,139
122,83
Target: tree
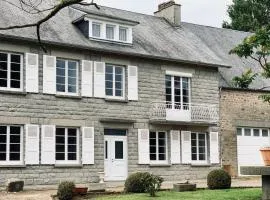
x,y
257,47
32,7
244,80
248,15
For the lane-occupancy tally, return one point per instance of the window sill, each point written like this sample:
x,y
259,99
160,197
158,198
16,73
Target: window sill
x,y
200,165
116,100
160,165
68,166
13,92
68,96
12,166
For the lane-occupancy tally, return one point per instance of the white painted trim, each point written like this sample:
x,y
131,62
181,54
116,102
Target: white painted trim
x,y
181,74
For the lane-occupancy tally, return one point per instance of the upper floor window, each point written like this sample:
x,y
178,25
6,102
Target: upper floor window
x,y
198,147
66,76
96,29
11,71
177,92
67,145
10,144
158,147
114,81
123,33
110,32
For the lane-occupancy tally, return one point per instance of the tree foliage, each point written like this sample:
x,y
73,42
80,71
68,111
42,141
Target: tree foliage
x,y
244,80
257,47
248,15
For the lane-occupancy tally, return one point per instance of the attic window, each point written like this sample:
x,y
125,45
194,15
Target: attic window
x,y
123,34
96,29
110,32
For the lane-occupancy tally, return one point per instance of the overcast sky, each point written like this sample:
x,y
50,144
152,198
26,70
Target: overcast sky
x,y
205,12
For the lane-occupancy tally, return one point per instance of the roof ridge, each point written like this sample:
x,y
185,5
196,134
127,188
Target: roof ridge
x,y
220,28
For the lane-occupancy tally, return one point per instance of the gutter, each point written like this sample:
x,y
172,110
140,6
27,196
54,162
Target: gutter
x,y
59,44
245,90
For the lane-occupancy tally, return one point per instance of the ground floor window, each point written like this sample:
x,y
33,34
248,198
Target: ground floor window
x,y
158,147
198,147
252,132
67,145
10,145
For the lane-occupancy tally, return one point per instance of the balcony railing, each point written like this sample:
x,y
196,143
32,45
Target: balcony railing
x,y
184,112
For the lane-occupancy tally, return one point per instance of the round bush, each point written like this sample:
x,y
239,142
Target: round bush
x,y
64,191
136,182
218,179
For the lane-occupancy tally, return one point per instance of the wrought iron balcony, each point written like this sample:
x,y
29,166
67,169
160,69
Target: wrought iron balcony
x,y
167,111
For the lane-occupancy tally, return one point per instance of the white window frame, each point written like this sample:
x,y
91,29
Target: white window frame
x,y
67,162
8,162
157,161
66,78
123,83
181,92
126,28
252,131
114,31
197,151
100,29
8,88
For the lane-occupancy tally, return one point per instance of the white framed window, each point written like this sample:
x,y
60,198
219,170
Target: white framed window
x,y
67,145
199,147
158,147
247,132
66,77
252,132
123,33
256,132
114,81
265,132
110,29
177,92
96,29
11,145
11,72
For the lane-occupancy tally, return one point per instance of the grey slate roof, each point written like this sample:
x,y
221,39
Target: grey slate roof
x,y
153,37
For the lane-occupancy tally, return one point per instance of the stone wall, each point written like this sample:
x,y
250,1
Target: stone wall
x,y
22,108
239,108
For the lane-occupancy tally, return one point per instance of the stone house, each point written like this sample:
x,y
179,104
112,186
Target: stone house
x,y
244,118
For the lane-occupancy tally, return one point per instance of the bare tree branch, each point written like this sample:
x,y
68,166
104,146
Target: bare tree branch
x,y
53,11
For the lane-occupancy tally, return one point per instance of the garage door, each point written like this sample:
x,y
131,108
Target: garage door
x,y
249,142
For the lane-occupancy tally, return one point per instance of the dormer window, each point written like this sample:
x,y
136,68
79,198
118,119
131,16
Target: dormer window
x,y
96,29
123,33
110,31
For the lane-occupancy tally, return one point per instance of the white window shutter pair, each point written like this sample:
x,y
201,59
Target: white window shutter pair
x,y
143,146
49,74
214,148
31,144
31,72
132,83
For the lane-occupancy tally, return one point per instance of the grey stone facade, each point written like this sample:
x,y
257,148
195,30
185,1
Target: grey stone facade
x,y
22,108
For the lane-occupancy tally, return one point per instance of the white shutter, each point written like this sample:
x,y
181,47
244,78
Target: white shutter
x,y
186,147
143,146
49,74
175,147
99,79
31,72
87,79
214,147
88,155
47,144
32,144
132,83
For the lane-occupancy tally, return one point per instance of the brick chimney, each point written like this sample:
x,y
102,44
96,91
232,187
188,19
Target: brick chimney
x,y
170,11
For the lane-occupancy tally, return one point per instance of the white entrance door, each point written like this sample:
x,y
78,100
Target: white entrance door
x,y
249,142
115,163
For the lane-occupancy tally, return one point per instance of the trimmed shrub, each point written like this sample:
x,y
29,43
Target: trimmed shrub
x,y
65,189
218,179
141,182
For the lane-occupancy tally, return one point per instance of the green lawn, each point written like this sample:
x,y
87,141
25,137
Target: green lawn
x,y
233,194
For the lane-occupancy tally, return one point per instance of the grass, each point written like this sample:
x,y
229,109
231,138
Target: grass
x,y
232,194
